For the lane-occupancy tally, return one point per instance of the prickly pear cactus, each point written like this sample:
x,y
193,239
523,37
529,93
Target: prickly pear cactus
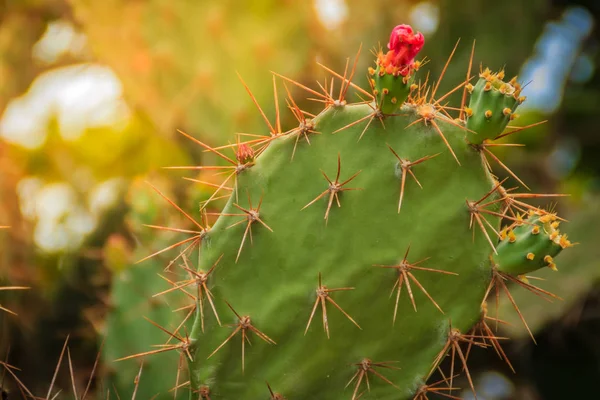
x,y
134,292
357,249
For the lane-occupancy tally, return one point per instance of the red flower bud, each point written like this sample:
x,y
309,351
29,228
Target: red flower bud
x,y
403,47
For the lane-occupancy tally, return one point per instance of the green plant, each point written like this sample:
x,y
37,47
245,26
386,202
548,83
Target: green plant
x,y
390,143
389,193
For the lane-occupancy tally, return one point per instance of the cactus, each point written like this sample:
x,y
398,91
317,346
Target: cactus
x,y
380,218
133,293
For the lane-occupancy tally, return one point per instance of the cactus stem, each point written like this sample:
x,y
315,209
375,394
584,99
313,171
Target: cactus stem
x,y
406,166
274,396
463,102
421,393
404,268
244,324
322,297
334,189
366,366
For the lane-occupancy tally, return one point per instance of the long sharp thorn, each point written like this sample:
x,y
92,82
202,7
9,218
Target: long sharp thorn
x,y
208,148
175,205
62,353
444,71
137,381
519,129
256,104
71,373
464,95
301,86
277,118
505,167
350,83
439,131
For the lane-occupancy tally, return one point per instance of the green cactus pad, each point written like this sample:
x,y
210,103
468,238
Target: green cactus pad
x,y
491,106
364,252
275,277
530,245
391,90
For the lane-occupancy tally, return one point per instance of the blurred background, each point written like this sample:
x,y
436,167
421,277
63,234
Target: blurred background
x,y
92,94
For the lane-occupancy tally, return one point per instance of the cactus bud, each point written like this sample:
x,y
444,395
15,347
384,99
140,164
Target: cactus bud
x,y
537,241
495,100
404,45
244,154
395,68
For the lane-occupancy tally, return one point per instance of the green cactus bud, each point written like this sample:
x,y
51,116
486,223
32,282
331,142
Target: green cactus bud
x,y
492,105
391,80
530,244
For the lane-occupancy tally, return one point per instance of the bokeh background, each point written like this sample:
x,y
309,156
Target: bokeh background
x,y
92,94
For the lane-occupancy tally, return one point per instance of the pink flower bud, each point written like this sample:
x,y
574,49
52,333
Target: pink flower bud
x,y
403,47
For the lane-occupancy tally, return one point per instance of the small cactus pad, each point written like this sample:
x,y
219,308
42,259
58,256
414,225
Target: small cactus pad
x,y
392,78
531,244
492,105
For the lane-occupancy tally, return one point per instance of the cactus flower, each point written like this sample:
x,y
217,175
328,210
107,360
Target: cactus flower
x,y
403,47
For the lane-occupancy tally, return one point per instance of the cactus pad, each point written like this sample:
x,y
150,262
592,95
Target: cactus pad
x,y
357,249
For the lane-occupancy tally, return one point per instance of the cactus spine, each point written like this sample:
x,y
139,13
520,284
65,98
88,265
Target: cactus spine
x,y
383,220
